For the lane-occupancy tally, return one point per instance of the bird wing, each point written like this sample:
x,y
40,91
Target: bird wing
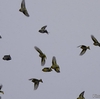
x,y
94,39
37,49
44,27
42,61
57,69
26,13
83,51
79,46
36,84
54,60
23,4
1,87
82,94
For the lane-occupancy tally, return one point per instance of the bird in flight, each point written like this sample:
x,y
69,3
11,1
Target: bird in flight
x,y
96,43
23,8
47,69
55,66
43,30
36,82
42,55
81,96
84,48
7,57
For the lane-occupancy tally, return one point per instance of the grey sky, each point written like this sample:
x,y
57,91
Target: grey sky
x,y
70,23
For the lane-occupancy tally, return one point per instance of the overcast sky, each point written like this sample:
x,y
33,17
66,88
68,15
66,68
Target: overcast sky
x,y
70,23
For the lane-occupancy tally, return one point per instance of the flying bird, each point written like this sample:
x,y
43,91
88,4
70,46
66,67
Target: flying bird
x,y
7,57
46,69
81,96
96,43
23,8
55,66
84,48
43,29
36,82
42,55
1,90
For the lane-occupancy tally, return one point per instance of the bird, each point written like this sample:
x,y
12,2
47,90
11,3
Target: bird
x,y
7,57
84,48
1,90
43,30
23,8
81,96
47,69
41,55
55,66
96,43
36,82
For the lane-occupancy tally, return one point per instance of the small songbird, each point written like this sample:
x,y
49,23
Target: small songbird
x,y
96,43
55,66
81,96
7,57
42,55
1,90
43,30
23,8
84,48
36,82
46,69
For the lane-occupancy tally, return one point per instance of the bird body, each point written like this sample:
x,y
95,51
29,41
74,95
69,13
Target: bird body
x,y
42,55
36,82
43,29
84,48
23,8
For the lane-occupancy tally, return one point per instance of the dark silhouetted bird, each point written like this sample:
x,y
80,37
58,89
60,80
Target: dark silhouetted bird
x,y
46,69
81,96
7,57
1,90
42,55
55,66
84,48
23,8
43,29
36,82
96,43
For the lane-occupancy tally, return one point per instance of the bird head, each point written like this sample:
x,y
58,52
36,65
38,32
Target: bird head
x,y
88,47
41,80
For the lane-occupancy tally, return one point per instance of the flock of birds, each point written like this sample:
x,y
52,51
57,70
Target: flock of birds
x,y
43,57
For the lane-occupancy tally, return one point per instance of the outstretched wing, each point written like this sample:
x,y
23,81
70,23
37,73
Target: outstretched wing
x,y
1,87
38,50
53,60
82,95
23,4
44,27
43,61
83,51
94,39
36,84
